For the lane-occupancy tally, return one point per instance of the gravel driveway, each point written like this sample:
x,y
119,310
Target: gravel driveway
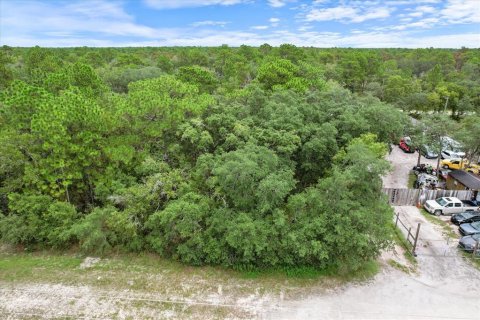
x,y
445,286
402,164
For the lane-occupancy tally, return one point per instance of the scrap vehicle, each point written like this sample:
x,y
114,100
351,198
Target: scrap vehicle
x,y
424,168
406,145
428,152
426,181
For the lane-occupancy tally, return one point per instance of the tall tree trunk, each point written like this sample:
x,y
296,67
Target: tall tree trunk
x,y
439,157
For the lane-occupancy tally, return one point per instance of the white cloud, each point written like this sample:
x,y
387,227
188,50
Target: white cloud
x,y
260,27
422,24
409,2
274,22
236,38
99,17
425,9
348,14
105,23
461,11
305,28
276,3
377,13
471,40
209,23
416,14
98,9
279,3
176,4
336,13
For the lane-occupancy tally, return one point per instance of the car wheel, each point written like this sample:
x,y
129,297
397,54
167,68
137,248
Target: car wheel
x,y
438,213
446,167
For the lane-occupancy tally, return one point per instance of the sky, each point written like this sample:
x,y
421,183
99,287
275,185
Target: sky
x,y
319,23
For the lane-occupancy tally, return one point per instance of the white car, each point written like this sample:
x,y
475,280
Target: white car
x,y
449,154
449,206
451,149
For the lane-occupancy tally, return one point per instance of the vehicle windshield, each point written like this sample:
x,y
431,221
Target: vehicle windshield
x,y
441,201
476,236
476,225
467,215
428,149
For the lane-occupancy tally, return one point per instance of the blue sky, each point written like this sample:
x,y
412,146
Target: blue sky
x,y
320,23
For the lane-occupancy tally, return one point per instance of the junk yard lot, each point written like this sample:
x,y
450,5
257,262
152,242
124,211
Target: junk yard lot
x,y
442,284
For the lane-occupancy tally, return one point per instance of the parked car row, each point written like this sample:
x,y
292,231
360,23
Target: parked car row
x,y
451,149
469,227
407,146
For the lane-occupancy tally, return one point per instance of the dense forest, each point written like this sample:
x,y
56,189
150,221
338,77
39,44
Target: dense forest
x,y
268,156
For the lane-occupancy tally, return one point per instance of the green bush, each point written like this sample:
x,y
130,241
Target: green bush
x,y
34,219
105,228
24,223
179,230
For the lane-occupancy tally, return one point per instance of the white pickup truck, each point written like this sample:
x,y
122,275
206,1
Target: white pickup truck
x,y
449,206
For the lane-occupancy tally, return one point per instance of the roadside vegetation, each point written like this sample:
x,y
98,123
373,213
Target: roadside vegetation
x,y
246,158
412,178
475,260
147,272
400,240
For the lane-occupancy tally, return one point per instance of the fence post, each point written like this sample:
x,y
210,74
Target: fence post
x,y
396,221
475,249
415,241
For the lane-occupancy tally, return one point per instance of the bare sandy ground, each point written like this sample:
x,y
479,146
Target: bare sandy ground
x,y
53,301
444,287
402,164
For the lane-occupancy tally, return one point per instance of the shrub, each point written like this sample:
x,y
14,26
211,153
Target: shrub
x,y
103,229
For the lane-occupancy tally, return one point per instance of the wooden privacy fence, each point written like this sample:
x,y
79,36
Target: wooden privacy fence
x,y
411,197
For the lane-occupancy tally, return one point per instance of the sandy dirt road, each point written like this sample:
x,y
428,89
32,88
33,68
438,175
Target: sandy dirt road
x,y
445,286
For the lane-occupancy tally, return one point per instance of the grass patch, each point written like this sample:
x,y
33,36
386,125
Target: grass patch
x,y
399,266
365,271
411,180
23,266
399,238
474,260
447,230
150,273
